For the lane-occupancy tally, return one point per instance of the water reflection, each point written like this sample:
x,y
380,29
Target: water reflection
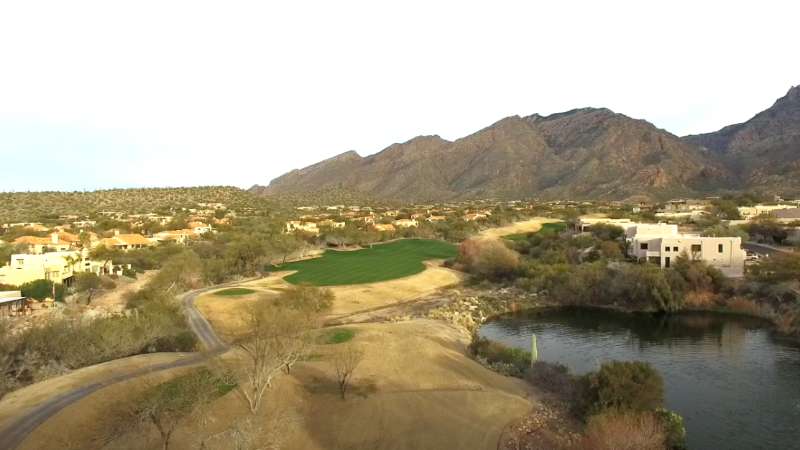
x,y
736,384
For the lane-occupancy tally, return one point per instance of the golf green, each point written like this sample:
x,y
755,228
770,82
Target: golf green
x,y
547,229
381,262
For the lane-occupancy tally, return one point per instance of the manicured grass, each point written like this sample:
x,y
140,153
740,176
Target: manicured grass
x,y
547,229
380,263
337,336
232,292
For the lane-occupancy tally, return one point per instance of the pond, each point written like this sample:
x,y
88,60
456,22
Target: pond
x,y
736,384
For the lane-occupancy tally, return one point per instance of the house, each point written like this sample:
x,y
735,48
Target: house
x,y
750,212
59,267
585,223
126,241
436,219
384,227
787,215
471,217
659,244
405,223
296,225
199,227
693,214
12,303
330,224
175,236
366,219
57,241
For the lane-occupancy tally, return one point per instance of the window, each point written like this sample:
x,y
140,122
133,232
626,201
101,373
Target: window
x,y
643,246
696,248
675,249
666,262
666,249
719,248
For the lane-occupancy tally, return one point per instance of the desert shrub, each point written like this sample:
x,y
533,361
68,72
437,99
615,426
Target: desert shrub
x,y
554,378
488,259
674,428
507,360
42,289
606,232
624,431
622,386
107,283
307,298
85,281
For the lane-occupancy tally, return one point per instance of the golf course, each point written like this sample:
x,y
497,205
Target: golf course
x,y
380,262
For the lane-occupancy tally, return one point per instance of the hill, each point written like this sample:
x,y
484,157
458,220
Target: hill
x,y
588,153
763,152
43,206
584,153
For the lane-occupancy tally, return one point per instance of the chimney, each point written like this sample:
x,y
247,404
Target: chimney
x,y
54,238
116,232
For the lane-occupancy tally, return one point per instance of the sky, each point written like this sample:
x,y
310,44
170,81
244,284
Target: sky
x,y
108,94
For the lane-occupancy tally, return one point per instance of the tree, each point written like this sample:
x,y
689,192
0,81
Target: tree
x,y
87,282
345,360
780,267
623,386
42,289
286,244
488,258
169,404
311,299
276,339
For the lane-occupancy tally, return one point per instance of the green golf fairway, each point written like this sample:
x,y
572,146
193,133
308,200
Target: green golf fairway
x,y
380,263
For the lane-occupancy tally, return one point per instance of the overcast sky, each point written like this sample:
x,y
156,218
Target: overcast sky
x,y
167,93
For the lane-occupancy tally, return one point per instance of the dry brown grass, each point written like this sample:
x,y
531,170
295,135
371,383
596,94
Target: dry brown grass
x,y
743,305
624,431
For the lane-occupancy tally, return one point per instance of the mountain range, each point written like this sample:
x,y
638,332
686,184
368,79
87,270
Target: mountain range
x,y
587,153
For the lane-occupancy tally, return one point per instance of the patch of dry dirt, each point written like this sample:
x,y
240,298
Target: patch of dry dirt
x,y
525,226
415,389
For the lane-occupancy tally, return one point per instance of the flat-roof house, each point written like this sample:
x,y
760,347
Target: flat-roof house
x,y
384,227
405,223
58,267
12,303
661,245
296,225
750,212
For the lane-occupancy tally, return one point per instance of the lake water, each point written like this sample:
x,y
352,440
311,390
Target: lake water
x,y
736,384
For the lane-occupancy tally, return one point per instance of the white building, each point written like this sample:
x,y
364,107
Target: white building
x,y
662,245
58,267
750,212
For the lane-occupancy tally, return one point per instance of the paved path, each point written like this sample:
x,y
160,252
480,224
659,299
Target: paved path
x,y
765,249
16,432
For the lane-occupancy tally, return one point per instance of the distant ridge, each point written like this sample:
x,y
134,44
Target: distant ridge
x,y
586,153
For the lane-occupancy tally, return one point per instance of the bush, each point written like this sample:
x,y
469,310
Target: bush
x,y
622,386
42,289
552,377
488,259
674,428
507,360
85,281
624,431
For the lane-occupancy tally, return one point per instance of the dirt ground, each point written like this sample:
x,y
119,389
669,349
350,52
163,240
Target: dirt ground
x,y
115,299
415,389
525,226
30,396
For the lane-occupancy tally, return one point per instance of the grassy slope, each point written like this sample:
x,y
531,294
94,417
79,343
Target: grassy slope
x,y
547,228
380,263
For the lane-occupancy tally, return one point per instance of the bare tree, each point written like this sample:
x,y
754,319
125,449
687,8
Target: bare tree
x,y
167,405
276,339
345,360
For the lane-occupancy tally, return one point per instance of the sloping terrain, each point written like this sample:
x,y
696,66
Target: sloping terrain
x,y
589,153
764,151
